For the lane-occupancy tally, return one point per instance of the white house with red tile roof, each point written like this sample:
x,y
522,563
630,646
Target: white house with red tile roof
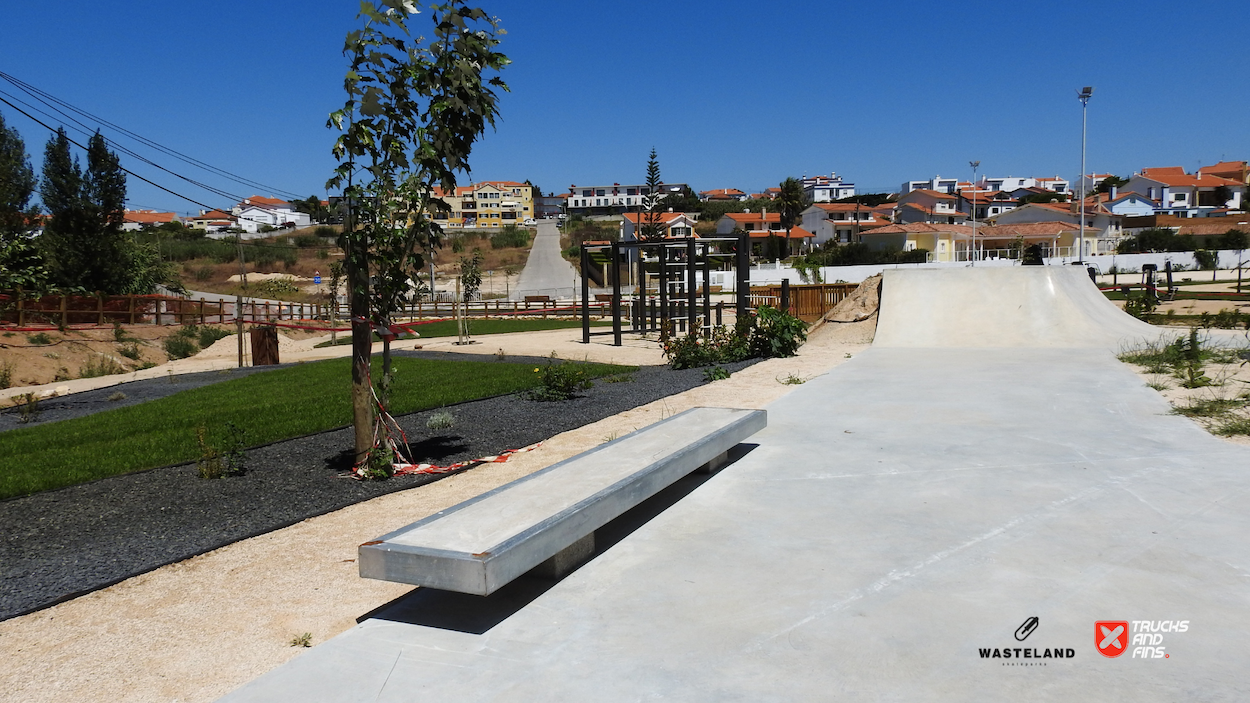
x,y
138,219
1183,194
930,206
1103,228
843,222
213,221
722,194
671,224
986,202
257,212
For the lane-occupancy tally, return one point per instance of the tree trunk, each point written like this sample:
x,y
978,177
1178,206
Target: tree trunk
x,y
357,269
386,371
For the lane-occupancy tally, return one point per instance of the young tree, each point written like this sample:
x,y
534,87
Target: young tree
x,y
20,263
414,109
650,229
790,203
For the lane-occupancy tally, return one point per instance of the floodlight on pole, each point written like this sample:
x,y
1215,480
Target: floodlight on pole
x,y
1084,95
972,253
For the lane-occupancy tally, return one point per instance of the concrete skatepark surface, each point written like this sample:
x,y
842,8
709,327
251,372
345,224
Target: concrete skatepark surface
x,y
900,514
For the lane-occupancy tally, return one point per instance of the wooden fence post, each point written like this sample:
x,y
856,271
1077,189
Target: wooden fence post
x,y
99,307
131,307
64,312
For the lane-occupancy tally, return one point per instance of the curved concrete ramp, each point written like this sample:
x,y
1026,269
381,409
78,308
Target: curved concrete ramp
x,y
1019,306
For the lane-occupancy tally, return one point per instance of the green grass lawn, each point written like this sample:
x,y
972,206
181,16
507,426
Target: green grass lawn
x,y
270,406
447,328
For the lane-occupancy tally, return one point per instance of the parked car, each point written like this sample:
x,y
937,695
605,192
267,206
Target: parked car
x,y
529,222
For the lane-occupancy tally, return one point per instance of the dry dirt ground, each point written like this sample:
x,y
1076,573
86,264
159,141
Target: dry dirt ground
x,y
68,354
1229,386
195,630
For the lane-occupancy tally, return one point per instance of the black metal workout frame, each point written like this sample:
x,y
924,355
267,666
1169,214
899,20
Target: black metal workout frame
x,y
653,312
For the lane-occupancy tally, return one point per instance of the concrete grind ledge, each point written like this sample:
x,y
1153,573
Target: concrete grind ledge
x,y
483,544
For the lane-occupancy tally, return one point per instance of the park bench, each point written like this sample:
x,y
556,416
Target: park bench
x,y
546,521
542,299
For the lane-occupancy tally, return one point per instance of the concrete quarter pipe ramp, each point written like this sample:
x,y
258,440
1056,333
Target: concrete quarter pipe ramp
x,y
902,521
1023,306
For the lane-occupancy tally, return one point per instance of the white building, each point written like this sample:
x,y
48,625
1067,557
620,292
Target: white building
x,y
826,189
843,222
257,212
1185,195
937,183
614,199
1014,183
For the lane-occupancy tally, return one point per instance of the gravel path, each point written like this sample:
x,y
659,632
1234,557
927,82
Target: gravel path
x,y
60,544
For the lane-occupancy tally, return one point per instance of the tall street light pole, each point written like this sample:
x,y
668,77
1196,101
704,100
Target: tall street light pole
x,y
1084,97
972,254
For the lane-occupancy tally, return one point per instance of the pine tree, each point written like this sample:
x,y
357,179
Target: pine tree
x,y
104,192
651,230
20,263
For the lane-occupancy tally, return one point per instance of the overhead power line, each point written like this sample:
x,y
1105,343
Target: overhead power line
x,y
52,102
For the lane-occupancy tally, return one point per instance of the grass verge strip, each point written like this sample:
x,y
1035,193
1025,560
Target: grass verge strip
x,y
270,406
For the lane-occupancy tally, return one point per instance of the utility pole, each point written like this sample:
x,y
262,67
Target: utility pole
x,y
1084,97
238,302
973,252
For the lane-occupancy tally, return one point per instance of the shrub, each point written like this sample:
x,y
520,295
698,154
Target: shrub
x,y
307,240
180,347
769,333
510,236
559,380
777,334
6,374
323,253
325,231
715,373
208,335
28,409
440,421
204,273
130,351
114,397
100,365
39,338
282,285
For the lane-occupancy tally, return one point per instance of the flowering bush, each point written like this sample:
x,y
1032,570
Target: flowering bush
x,y
559,380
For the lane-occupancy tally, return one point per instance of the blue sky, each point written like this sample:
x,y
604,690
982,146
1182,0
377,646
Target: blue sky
x,y
731,94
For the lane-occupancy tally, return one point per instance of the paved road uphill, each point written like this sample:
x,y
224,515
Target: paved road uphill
x,y
891,536
546,271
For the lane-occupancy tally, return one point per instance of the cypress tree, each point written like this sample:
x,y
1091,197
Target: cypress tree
x,y
61,192
20,263
83,241
104,192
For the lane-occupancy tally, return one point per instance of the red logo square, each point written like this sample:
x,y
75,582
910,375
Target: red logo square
x,y
1111,637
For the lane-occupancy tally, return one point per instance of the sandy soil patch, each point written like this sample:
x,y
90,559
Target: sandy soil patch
x,y
196,630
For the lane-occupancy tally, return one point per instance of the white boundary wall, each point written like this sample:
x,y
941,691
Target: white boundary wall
x,y
1125,263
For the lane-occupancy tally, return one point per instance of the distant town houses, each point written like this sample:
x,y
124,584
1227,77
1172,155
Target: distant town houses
x,y
615,199
258,212
669,224
844,222
486,205
138,219
826,189
723,194
213,221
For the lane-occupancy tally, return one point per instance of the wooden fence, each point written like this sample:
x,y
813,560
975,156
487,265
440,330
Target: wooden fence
x,y
66,310
806,301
